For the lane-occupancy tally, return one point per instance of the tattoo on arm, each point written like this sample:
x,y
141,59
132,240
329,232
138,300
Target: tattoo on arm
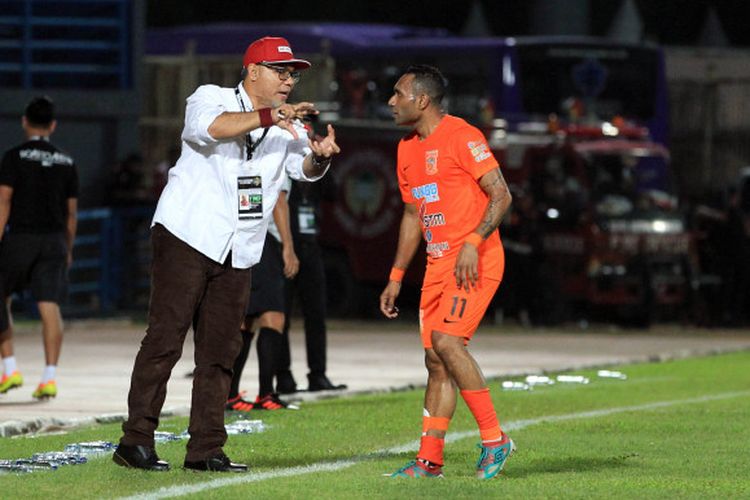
x,y
494,185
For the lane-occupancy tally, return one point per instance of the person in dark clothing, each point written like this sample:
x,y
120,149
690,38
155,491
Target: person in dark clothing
x,y
524,255
39,203
127,185
736,248
309,284
265,313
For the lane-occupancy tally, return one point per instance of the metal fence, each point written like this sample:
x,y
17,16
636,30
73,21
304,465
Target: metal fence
x,y
110,271
66,44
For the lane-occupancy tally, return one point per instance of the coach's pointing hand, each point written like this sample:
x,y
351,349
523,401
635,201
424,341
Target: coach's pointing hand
x,y
326,147
323,150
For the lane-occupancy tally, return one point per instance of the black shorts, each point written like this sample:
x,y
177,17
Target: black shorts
x,y
267,280
35,261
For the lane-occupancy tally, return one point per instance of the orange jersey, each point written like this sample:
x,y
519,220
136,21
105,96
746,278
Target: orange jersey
x,y
440,176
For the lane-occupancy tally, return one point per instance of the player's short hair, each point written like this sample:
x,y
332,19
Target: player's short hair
x,y
428,80
40,111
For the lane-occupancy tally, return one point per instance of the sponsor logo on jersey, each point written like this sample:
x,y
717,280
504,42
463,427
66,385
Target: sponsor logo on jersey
x,y
430,220
428,235
430,162
436,250
428,192
479,150
46,158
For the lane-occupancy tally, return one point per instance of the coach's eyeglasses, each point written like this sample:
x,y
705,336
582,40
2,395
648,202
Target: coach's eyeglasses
x,y
284,74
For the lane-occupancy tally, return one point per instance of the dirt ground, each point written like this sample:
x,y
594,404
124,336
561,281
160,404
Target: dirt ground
x,y
97,359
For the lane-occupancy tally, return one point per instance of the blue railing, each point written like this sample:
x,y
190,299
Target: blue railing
x,y
110,270
66,43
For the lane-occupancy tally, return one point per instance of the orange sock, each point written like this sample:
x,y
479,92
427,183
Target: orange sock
x,y
480,405
431,447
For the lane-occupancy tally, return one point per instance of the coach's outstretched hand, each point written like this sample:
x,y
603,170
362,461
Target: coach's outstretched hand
x,y
285,115
325,147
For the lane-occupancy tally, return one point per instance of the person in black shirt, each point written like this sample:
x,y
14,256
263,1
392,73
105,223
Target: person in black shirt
x,y
38,203
309,284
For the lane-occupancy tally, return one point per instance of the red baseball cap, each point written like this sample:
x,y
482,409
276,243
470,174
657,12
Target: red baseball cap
x,y
275,50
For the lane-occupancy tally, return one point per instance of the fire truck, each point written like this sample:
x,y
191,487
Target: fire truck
x,y
589,156
609,235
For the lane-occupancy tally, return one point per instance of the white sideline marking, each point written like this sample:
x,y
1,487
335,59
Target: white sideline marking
x,y
188,489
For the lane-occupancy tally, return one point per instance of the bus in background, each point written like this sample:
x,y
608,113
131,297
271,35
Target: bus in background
x,y
518,80
571,111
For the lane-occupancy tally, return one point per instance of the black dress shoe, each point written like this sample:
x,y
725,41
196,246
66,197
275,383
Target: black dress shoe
x,y
285,383
319,382
139,457
218,463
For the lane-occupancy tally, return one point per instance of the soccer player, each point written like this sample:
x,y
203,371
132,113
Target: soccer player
x,y
455,196
39,203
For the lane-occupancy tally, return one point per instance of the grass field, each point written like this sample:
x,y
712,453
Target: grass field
x,y
678,429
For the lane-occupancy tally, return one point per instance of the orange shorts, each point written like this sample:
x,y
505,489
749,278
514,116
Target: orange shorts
x,y
448,309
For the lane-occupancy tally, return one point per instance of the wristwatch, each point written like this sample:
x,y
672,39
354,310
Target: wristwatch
x,y
320,161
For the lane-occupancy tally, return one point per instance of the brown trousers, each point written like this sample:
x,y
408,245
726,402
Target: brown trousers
x,y
187,287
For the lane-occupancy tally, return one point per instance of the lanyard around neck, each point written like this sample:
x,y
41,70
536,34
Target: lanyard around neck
x,y
250,146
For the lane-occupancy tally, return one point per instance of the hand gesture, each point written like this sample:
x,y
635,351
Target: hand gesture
x,y
285,115
326,147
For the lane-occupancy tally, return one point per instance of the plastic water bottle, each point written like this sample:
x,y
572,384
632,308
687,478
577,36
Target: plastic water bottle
x,y
165,437
59,457
572,379
33,465
509,385
245,427
611,374
90,448
10,467
534,380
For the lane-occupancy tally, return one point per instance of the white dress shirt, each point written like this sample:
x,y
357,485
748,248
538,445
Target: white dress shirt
x,y
273,229
199,204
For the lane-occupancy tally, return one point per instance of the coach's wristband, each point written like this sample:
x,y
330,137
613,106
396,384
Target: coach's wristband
x,y
474,239
396,275
265,117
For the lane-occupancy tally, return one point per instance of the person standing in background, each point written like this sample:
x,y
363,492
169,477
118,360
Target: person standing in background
x,y
39,205
310,285
265,312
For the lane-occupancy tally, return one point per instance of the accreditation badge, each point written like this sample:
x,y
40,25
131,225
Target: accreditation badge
x,y
250,197
306,218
